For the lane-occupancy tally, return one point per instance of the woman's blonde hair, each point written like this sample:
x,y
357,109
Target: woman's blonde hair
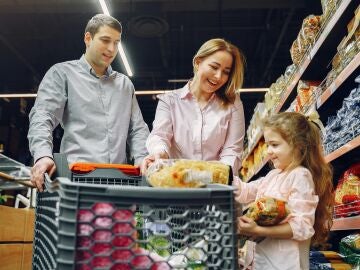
x,y
305,138
236,77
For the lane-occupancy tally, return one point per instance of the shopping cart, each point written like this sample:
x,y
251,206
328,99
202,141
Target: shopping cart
x,y
119,225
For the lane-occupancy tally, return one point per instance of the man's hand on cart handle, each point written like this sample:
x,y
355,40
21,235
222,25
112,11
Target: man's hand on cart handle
x,y
41,166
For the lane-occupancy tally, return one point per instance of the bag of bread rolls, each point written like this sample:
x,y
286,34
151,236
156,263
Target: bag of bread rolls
x,y
183,173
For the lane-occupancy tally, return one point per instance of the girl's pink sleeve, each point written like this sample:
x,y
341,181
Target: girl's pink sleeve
x,y
302,203
246,192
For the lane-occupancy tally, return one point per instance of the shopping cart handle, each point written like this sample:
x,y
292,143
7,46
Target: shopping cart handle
x,y
50,185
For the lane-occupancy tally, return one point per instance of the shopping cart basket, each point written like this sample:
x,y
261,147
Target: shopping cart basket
x,y
98,226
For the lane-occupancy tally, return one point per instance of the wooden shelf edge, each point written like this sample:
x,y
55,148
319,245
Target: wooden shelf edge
x,y
343,149
344,74
350,223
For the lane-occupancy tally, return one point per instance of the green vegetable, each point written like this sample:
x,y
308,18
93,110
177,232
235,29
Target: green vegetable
x,y
159,244
196,265
140,228
4,198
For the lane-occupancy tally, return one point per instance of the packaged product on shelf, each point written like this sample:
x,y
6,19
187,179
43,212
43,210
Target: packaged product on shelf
x,y
280,84
327,260
244,168
306,91
328,7
270,101
250,164
296,52
307,36
353,26
345,125
349,247
330,77
182,173
348,53
289,71
254,130
309,29
347,193
258,153
336,61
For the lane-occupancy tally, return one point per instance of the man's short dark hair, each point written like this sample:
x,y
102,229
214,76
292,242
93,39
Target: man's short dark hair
x,y
100,20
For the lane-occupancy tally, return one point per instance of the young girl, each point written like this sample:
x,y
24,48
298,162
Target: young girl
x,y
303,179
204,120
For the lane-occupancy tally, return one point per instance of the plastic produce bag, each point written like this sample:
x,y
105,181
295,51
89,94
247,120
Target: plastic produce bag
x,y
182,173
349,247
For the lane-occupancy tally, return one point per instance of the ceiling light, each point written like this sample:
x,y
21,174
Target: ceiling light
x,y
124,59
17,95
104,7
120,47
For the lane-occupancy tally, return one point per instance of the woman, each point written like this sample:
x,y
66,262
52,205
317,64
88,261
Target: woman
x,y
204,120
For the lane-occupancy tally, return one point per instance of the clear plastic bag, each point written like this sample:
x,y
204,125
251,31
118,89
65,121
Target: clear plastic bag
x,y
265,212
182,173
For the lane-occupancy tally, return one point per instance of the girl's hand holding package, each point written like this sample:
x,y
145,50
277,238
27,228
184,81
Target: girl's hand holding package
x,y
246,226
263,212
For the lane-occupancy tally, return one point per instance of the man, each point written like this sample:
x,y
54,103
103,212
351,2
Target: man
x,y
95,105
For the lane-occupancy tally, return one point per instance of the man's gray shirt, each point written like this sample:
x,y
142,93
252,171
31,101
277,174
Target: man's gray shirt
x,y
100,116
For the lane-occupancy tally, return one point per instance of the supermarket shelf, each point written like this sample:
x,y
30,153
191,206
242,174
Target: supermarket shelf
x,y
315,59
313,50
328,158
257,170
251,149
347,71
350,223
343,149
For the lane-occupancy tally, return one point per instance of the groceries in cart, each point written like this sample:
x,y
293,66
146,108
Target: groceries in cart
x,y
182,173
132,240
265,211
98,217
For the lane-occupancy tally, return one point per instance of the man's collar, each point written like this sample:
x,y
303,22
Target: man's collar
x,y
85,64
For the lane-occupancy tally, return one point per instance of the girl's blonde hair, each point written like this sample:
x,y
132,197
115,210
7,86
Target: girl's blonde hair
x,y
236,77
304,137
